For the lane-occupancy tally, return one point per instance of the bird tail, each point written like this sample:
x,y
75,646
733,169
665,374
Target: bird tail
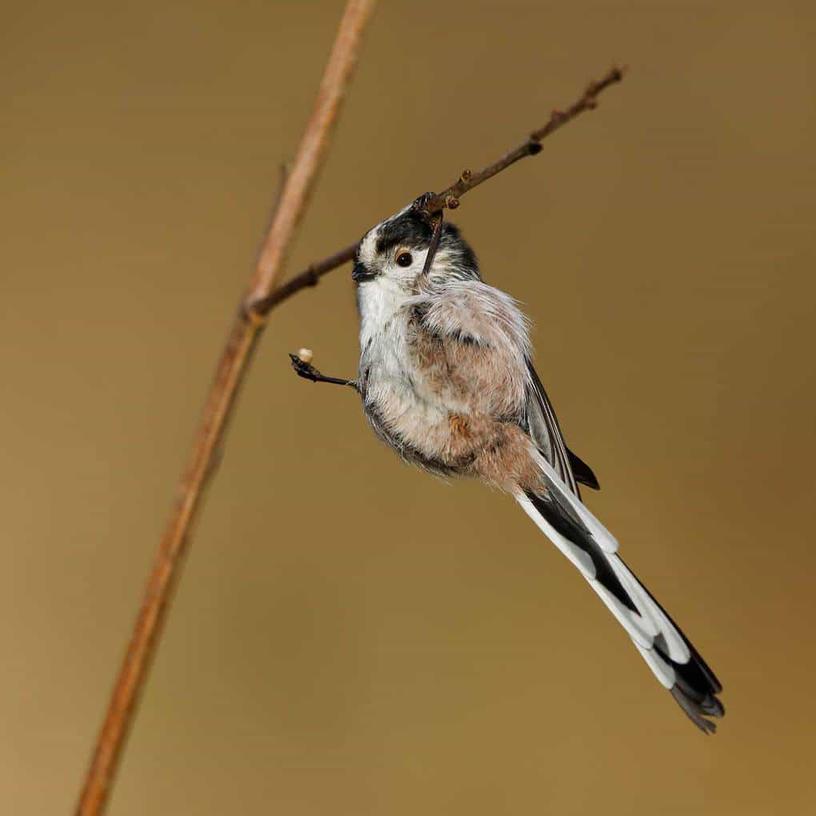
x,y
593,550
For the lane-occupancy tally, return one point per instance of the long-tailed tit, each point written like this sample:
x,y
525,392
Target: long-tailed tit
x,y
447,381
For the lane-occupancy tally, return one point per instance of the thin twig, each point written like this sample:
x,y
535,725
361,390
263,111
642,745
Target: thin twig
x,y
450,197
530,147
231,370
310,276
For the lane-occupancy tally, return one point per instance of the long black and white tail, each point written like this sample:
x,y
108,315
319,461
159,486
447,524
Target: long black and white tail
x,y
592,549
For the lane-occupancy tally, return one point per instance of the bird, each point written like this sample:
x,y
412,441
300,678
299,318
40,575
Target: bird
x,y
447,381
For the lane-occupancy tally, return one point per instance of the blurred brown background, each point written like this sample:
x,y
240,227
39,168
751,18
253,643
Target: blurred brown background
x,y
351,636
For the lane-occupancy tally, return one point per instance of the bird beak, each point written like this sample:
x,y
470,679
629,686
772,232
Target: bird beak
x,y
359,273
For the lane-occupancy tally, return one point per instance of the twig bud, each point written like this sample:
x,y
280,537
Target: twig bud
x,y
452,202
305,354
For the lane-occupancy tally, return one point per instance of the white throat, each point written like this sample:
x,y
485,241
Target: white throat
x,y
380,302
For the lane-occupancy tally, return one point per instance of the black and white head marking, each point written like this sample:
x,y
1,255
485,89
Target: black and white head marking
x,y
395,250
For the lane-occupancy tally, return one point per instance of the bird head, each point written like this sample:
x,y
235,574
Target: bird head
x,y
394,252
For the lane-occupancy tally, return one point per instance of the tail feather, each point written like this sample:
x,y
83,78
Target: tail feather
x,y
592,549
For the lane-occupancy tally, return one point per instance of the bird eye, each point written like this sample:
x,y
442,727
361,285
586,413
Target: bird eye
x,y
404,259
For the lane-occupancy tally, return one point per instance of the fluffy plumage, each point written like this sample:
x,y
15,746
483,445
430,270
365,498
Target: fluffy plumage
x,y
446,380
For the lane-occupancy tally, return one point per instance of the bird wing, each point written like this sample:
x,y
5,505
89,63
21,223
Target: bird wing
x,y
472,315
543,427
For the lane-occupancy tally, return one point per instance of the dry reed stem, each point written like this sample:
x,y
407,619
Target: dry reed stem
x,y
232,367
